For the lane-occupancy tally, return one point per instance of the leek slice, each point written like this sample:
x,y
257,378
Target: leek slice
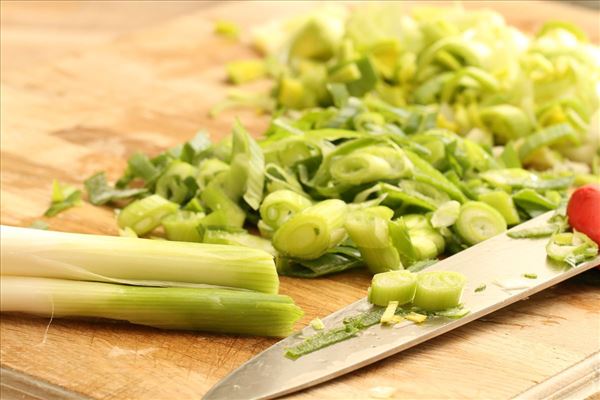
x,y
134,261
99,192
478,221
63,198
571,248
203,309
308,234
502,202
279,206
146,214
446,215
183,226
398,286
178,182
438,290
370,233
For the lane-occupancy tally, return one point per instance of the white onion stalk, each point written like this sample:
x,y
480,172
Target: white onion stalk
x,y
144,262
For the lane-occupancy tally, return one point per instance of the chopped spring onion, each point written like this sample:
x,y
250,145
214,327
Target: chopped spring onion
x,y
396,286
370,233
416,317
530,276
279,206
446,215
63,198
237,238
438,290
215,310
389,313
99,192
183,226
317,324
134,261
244,71
178,182
308,234
503,203
227,29
535,232
335,260
478,221
480,288
571,248
146,214
226,212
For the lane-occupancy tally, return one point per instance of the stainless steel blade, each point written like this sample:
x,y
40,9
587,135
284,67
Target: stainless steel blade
x,y
499,263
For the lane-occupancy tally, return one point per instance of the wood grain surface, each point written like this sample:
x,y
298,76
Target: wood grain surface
x,y
150,89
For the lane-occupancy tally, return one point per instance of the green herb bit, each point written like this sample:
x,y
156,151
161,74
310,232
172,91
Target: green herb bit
x,y
321,340
532,233
530,275
480,288
99,192
227,29
63,198
389,313
317,324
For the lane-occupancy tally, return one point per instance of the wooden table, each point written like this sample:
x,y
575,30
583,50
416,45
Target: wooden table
x,y
74,114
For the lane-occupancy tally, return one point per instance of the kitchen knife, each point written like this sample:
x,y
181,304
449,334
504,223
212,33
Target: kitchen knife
x,y
499,263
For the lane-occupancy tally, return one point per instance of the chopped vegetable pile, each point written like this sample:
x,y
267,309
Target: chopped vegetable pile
x,y
396,138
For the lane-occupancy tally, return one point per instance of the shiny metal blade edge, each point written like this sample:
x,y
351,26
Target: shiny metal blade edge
x,y
499,263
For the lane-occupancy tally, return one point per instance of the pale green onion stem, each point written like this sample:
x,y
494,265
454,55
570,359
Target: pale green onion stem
x,y
215,310
134,261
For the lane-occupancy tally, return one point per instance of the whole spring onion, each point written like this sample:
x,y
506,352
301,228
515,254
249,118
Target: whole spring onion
x,y
399,286
134,261
308,234
438,290
214,310
478,221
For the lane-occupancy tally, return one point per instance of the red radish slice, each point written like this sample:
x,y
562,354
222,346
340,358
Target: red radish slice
x,y
583,211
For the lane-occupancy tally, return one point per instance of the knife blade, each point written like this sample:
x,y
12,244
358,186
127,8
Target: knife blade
x,y
499,263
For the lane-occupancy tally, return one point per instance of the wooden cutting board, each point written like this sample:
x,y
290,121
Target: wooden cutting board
x,y
150,90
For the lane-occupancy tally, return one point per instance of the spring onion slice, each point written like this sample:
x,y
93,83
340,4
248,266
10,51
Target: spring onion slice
x,y
99,192
426,173
501,201
546,137
239,238
506,122
335,260
389,314
398,286
145,214
63,197
446,215
203,309
370,234
247,174
215,198
279,206
438,290
178,182
478,221
183,226
134,261
427,243
309,233
571,248
535,232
